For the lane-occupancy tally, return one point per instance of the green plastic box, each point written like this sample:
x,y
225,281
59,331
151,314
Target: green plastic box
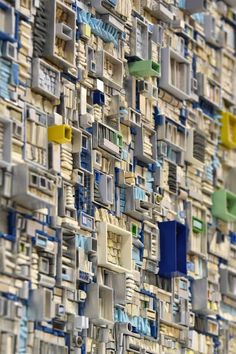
x,y
144,68
224,205
119,140
197,225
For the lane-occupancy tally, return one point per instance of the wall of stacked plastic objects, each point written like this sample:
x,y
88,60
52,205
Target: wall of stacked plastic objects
x,y
117,177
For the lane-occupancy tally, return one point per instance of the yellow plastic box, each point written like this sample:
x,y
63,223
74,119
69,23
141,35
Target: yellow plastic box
x,y
60,134
228,130
85,30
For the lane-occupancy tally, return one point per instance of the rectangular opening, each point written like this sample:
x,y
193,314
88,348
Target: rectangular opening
x,y
65,17
140,181
67,133
155,66
98,158
43,183
44,265
34,180
17,130
183,285
107,279
173,72
80,178
105,303
24,249
11,50
86,221
49,185
84,142
10,342
94,244
7,20
47,303
155,92
231,204
90,53
232,283
199,145
67,31
93,66
212,327
41,241
119,140
25,3
134,230
109,189
137,118
232,128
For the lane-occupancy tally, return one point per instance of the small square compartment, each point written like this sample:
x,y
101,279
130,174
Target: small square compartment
x,y
10,51
61,32
132,119
110,69
86,221
42,183
64,32
97,159
205,296
99,304
45,79
145,144
175,74
106,189
139,39
27,188
122,263
78,177
228,282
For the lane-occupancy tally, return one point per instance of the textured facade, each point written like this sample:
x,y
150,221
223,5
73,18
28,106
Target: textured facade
x,y
117,177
